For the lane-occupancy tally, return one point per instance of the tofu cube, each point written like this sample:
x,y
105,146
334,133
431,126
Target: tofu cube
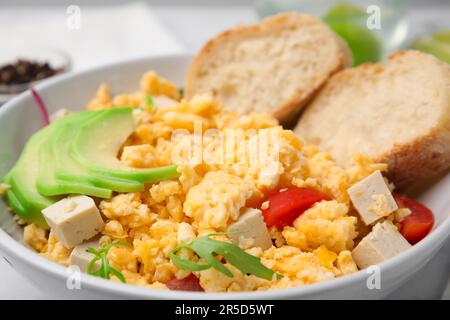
x,y
74,219
79,257
372,198
382,243
250,230
163,101
270,175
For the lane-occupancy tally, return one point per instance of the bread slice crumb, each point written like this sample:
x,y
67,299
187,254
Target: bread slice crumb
x,y
274,66
396,112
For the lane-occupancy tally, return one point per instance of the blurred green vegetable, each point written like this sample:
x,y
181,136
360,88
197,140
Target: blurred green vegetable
x,y
437,44
348,21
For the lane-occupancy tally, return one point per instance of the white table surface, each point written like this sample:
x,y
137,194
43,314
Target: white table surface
x,y
191,26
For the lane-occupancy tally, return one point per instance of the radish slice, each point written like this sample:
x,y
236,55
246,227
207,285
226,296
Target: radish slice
x,y
41,106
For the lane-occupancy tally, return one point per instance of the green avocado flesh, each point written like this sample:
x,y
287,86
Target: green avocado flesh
x,y
48,183
96,148
68,157
68,169
12,199
23,181
15,204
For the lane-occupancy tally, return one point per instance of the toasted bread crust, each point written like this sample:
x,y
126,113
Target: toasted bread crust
x,y
288,110
422,158
427,155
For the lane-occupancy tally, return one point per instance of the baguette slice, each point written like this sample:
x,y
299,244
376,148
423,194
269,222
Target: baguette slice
x,y
397,113
274,66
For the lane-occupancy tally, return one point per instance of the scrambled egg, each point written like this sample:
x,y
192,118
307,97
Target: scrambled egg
x,y
325,224
211,191
216,201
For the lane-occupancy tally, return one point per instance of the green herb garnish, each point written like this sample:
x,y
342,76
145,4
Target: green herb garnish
x,y
149,104
207,249
105,270
181,92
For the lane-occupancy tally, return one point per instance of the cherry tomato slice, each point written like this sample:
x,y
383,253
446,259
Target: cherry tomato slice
x,y
285,206
190,283
418,224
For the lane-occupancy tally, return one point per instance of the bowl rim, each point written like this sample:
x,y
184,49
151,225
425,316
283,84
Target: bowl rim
x,y
19,252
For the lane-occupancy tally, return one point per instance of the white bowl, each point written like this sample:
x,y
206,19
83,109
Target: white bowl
x,y
20,117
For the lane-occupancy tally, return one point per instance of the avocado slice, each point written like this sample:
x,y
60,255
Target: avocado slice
x,y
15,204
47,183
11,198
23,178
66,168
98,141
76,154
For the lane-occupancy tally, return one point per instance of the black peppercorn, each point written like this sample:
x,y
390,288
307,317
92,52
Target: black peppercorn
x,y
25,71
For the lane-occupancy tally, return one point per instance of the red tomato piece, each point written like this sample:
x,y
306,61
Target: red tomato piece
x,y
190,283
286,206
419,223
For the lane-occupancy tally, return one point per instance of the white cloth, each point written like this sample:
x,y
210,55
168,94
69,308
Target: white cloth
x,y
106,34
